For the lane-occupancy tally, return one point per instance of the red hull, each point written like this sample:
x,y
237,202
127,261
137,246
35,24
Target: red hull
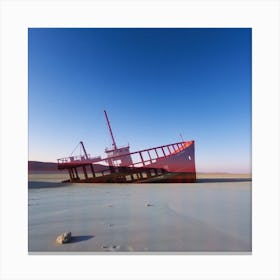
x,y
176,163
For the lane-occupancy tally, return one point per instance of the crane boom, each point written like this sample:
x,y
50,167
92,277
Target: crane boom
x,y
111,132
84,149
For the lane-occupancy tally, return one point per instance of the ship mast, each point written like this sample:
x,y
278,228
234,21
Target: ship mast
x,y
111,132
84,149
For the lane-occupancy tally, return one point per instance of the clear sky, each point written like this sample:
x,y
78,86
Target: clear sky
x,y
155,85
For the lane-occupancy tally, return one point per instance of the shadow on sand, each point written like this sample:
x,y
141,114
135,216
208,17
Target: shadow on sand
x,y
222,180
40,184
80,238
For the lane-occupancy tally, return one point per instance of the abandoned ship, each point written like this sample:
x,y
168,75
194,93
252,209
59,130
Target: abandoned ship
x,y
171,163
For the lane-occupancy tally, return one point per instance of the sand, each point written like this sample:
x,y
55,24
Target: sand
x,y
212,215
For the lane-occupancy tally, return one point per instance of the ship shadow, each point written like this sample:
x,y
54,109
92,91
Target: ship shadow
x,y
45,184
222,180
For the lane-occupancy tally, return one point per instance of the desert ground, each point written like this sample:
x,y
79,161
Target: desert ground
x,y
212,215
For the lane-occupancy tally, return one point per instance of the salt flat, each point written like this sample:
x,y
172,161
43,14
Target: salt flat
x,y
208,216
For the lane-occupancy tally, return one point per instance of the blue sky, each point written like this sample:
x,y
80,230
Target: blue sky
x,y
154,84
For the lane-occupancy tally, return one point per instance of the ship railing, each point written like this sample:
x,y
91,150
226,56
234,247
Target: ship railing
x,y
153,155
79,158
143,157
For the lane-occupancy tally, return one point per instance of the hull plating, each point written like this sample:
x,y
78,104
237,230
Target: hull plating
x,y
173,166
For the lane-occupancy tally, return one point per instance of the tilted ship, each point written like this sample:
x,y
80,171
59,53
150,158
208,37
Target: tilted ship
x,y
171,163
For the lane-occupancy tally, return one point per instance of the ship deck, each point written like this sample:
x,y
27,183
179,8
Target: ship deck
x,y
145,166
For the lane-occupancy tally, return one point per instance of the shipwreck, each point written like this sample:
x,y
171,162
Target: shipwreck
x,y
171,163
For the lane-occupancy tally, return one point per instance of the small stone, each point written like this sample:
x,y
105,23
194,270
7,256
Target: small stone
x,y
64,238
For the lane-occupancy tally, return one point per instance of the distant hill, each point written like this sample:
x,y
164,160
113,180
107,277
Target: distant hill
x,y
39,166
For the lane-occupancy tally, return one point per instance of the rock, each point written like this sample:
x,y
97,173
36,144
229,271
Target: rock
x,y
64,238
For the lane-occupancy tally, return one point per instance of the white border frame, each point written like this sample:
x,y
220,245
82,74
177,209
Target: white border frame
x,y
262,16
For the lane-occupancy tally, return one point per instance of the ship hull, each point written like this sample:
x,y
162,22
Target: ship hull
x,y
176,167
